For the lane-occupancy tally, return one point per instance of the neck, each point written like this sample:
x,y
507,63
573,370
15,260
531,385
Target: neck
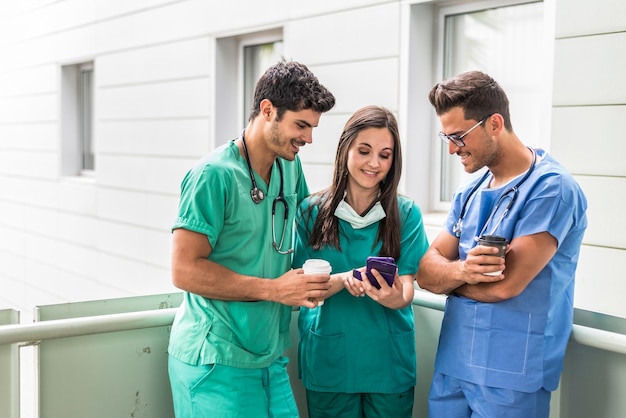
x,y
260,159
362,201
507,169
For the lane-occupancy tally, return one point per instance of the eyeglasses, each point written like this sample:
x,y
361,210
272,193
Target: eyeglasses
x,y
458,139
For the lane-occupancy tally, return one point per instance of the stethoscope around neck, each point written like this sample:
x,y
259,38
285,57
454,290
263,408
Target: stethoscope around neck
x,y
257,196
458,225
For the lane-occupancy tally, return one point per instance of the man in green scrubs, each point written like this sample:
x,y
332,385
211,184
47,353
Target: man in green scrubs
x,y
232,256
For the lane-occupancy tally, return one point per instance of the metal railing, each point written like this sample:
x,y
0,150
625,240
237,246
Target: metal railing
x,y
62,328
101,326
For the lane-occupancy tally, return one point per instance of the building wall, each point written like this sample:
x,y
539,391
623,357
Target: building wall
x,y
589,97
66,239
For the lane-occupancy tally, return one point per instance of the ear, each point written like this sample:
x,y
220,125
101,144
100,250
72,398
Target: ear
x,y
266,109
495,124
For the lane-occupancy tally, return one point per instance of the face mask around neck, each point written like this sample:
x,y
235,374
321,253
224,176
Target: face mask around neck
x,y
345,212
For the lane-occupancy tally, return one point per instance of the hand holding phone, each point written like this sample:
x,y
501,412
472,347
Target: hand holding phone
x,y
386,266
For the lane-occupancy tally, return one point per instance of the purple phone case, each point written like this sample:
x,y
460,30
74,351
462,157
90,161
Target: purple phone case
x,y
386,266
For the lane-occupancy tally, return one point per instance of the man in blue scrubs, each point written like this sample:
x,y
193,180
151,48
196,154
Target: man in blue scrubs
x,y
503,336
232,257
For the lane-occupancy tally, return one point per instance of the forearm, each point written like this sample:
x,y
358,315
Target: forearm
x,y
482,292
439,275
214,281
408,290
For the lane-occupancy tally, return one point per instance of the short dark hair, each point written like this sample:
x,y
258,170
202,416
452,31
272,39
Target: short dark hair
x,y
290,85
475,92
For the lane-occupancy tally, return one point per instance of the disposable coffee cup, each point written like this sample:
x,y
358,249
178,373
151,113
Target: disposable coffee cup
x,y
317,266
497,242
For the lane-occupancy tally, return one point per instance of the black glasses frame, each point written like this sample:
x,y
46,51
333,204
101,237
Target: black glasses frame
x,y
458,139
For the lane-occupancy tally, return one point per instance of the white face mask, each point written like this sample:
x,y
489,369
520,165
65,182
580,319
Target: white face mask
x,y
345,212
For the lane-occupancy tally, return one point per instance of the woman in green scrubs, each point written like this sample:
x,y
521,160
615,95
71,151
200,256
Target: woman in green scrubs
x,y
356,352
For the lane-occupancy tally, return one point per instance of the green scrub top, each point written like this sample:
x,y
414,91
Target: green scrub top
x,y
352,344
215,201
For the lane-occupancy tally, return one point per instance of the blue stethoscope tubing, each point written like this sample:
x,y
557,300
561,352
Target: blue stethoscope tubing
x,y
458,226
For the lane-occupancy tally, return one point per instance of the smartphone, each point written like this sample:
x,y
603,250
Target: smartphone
x,y
386,266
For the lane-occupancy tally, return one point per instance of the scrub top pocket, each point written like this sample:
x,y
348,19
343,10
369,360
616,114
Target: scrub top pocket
x,y
327,372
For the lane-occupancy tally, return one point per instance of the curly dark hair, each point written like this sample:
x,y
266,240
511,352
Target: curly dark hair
x,y
290,85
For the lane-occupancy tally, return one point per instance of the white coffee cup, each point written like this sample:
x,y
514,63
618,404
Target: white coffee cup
x,y
317,266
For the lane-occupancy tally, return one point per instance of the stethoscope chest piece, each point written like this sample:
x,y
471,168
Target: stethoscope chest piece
x,y
257,195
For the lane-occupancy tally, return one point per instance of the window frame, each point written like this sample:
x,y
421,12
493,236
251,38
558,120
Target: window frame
x,y
441,12
230,115
73,111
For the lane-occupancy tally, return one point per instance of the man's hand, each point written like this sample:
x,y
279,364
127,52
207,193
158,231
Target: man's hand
x,y
295,288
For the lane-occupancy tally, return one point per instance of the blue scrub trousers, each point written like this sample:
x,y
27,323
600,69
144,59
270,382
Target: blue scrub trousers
x,y
215,390
454,398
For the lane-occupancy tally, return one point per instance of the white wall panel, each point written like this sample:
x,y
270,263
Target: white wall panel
x,y
134,277
13,240
179,99
63,255
53,284
600,282
76,196
29,164
357,84
29,136
180,20
45,20
135,243
174,138
42,79
12,217
606,199
318,176
360,34
152,26
28,192
159,175
40,108
72,46
590,70
41,222
585,17
143,209
325,139
592,135
177,60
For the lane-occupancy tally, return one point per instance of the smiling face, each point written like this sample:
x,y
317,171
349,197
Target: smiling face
x,y
292,131
370,157
480,148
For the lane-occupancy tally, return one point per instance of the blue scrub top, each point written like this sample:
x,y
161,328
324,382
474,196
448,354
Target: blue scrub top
x,y
215,201
351,344
519,343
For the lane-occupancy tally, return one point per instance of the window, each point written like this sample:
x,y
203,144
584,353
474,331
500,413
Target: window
x,y
508,43
240,61
512,40
256,59
85,99
77,150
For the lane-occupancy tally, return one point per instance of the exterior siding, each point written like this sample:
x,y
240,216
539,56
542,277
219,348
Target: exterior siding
x,y
589,98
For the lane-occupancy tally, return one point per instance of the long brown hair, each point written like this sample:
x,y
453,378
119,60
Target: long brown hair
x,y
326,227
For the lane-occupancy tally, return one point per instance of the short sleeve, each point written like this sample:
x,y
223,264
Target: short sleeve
x,y
202,206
